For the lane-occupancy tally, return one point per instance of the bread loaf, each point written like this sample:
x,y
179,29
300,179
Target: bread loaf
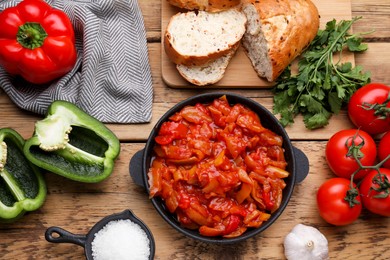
x,y
205,5
208,73
277,32
196,38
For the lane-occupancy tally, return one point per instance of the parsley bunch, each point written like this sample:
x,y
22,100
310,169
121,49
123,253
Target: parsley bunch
x,y
323,83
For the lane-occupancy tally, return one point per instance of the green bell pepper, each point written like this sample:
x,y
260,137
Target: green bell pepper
x,y
73,144
22,187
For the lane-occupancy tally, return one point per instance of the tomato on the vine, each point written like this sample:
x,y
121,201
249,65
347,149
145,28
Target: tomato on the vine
x,y
369,108
332,204
339,154
384,149
375,192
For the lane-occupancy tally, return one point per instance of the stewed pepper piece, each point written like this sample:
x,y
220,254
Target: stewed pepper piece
x,y
22,187
73,144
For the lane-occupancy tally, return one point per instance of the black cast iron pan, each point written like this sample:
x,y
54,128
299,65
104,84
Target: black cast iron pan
x,y
298,164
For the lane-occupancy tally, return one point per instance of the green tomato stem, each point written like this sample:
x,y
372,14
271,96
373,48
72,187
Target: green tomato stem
x,y
384,186
380,179
380,110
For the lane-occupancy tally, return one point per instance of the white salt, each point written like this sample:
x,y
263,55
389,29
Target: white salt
x,y
120,240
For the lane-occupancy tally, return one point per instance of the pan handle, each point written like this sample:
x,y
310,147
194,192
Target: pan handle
x,y
59,235
302,164
135,168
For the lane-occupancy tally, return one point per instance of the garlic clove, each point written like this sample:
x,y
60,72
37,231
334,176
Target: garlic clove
x,y
305,243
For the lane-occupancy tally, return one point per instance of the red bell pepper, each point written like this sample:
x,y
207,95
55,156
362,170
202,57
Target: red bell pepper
x,y
36,41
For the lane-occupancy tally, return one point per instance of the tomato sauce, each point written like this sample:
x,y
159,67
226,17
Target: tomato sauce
x,y
218,169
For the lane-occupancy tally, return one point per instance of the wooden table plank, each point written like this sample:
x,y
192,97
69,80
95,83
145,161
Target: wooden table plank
x,y
375,17
77,207
376,60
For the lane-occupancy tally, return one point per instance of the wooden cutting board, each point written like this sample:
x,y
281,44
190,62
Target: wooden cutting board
x,y
240,73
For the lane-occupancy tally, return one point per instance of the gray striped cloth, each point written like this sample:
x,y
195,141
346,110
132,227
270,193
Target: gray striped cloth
x,y
111,79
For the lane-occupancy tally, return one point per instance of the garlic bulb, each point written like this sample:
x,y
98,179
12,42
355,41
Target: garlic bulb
x,y
305,243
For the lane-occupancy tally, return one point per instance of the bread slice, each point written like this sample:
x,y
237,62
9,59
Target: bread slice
x,y
208,73
205,5
196,38
277,32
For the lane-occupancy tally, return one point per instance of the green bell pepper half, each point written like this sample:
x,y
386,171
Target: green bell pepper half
x,y
73,144
22,187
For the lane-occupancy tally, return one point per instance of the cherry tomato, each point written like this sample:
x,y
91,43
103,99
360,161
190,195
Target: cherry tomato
x,y
339,155
369,108
376,201
384,149
331,203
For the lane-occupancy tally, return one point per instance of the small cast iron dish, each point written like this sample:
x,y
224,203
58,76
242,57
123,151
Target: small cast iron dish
x,y
298,164
59,235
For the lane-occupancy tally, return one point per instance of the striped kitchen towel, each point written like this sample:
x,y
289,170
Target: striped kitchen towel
x,y
111,79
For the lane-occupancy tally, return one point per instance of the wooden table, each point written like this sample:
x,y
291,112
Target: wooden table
x,y
77,206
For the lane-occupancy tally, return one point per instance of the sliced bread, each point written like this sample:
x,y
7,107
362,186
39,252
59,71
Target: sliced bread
x,y
208,73
277,32
205,5
196,38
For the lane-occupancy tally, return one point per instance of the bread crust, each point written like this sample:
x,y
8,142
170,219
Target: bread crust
x,y
218,70
220,5
286,42
205,5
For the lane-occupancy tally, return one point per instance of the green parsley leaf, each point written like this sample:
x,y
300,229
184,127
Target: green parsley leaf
x,y
355,44
323,83
313,120
334,102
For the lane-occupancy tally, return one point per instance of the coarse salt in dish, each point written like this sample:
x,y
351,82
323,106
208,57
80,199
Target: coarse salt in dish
x,y
121,240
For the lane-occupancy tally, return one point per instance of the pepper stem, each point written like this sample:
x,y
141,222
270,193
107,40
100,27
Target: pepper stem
x,y
31,35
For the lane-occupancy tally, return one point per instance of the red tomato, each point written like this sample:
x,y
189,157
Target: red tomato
x,y
369,108
370,199
339,157
332,206
384,149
